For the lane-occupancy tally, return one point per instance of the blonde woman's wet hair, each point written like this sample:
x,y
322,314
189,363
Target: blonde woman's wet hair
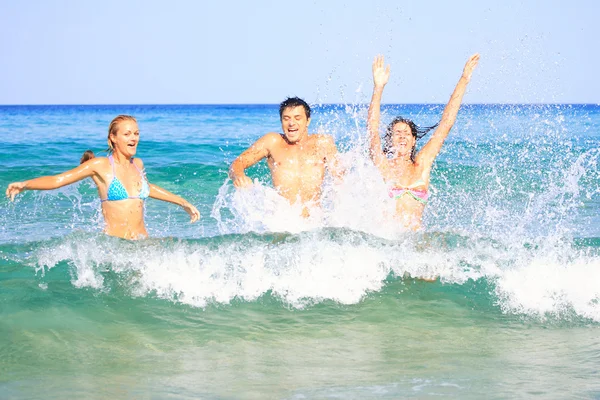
x,y
112,130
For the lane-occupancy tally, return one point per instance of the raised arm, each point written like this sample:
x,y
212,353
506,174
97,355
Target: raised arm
x,y
433,147
256,152
156,192
381,75
85,170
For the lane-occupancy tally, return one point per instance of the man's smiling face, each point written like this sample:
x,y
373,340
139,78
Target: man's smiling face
x,y
294,124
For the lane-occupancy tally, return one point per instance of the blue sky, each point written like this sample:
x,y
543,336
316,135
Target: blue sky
x,y
179,51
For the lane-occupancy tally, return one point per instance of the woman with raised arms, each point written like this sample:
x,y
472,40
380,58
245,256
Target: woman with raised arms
x,y
120,179
404,170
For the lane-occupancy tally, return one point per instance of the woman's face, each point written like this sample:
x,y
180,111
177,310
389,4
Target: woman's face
x,y
126,139
402,139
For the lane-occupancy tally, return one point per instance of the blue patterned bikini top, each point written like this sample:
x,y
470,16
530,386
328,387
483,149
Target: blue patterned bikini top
x,y
116,190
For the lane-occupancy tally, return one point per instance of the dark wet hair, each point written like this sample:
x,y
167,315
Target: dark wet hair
x,y
417,132
87,155
292,102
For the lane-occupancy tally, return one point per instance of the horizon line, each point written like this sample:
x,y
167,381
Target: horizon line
x,y
277,104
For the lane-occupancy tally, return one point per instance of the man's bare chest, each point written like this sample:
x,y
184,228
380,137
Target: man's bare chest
x,y
292,160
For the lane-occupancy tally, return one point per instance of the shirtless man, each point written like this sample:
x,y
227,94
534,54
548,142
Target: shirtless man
x,y
296,159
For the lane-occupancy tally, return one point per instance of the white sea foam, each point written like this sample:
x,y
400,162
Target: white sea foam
x,y
548,285
331,265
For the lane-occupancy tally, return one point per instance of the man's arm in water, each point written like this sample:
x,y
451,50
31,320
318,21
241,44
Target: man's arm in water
x,y
332,157
259,150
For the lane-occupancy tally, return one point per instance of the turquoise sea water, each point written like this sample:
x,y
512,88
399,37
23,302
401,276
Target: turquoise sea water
x,y
253,302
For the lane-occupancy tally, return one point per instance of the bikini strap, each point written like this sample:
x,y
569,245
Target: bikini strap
x,y
136,167
142,173
112,163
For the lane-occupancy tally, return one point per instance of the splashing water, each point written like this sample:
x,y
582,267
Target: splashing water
x,y
512,192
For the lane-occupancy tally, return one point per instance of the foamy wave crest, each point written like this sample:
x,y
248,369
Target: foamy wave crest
x,y
548,285
338,265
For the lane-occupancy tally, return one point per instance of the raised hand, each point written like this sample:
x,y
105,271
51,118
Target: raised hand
x,y
14,189
470,66
381,74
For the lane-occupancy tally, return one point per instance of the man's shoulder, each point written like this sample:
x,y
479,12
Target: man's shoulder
x,y
268,141
271,137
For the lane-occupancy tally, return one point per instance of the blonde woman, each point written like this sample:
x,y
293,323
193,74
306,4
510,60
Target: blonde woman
x,y
120,179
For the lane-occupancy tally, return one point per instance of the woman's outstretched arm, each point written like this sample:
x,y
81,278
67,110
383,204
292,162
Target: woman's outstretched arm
x,y
381,75
85,170
156,192
433,147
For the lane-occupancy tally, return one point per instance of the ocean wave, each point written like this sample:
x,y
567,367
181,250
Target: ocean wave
x,y
332,265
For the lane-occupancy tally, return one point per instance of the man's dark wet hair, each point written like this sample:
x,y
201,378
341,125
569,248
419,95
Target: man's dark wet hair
x,y
417,132
292,102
